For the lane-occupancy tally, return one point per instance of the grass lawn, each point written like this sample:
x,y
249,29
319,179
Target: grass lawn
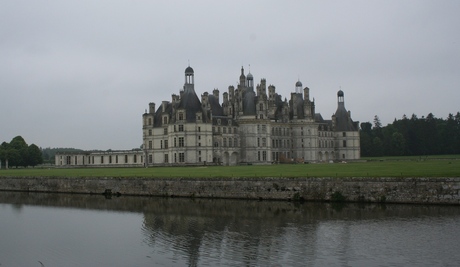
x,y
433,166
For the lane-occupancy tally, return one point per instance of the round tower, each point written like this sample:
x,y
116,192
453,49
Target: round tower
x,y
298,87
189,73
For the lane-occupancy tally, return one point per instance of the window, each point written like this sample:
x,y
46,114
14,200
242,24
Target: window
x,y
150,144
224,129
261,107
126,158
235,143
135,158
181,141
264,141
150,159
344,143
230,144
161,144
175,143
199,137
110,159
150,132
150,121
165,131
181,157
225,142
199,129
181,128
181,116
264,155
258,155
264,128
102,159
216,144
344,134
166,158
116,159
166,144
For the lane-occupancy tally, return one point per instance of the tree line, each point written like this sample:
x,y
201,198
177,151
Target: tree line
x,y
411,136
17,153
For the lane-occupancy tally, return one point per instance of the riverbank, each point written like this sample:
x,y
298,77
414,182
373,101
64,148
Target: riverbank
x,y
353,189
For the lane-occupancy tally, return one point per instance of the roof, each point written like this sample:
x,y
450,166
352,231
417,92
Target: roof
x,y
190,102
216,108
189,70
343,122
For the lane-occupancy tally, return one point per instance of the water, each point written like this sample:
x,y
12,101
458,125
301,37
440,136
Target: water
x,y
83,230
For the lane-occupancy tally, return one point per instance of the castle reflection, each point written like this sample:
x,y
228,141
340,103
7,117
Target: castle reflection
x,y
224,232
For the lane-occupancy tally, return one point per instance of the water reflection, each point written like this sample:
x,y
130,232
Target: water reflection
x,y
203,232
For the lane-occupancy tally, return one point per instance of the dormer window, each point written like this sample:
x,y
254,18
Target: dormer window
x,y
181,116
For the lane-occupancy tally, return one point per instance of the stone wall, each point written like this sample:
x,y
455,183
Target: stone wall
x,y
390,190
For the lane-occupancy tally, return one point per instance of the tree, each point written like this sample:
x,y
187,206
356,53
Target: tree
x,y
398,144
377,147
34,156
366,139
377,123
19,145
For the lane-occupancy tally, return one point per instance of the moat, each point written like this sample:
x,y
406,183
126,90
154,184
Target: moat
x,y
40,229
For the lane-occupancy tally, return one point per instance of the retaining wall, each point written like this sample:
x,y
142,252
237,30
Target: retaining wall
x,y
386,189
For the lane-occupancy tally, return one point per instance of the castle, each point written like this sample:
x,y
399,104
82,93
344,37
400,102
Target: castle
x,y
251,126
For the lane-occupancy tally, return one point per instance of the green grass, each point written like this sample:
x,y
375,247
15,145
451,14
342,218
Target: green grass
x,y
378,167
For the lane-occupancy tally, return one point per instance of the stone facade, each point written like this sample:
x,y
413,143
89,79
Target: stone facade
x,y
249,126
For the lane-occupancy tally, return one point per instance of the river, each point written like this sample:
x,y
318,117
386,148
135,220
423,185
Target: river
x,y
38,229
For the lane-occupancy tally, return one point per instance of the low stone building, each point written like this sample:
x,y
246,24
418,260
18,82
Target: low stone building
x,y
117,158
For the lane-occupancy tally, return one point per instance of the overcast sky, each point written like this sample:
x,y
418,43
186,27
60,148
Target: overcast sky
x,y
81,73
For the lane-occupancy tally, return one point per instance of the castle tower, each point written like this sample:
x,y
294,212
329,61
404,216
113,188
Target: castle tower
x,y
242,77
298,87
